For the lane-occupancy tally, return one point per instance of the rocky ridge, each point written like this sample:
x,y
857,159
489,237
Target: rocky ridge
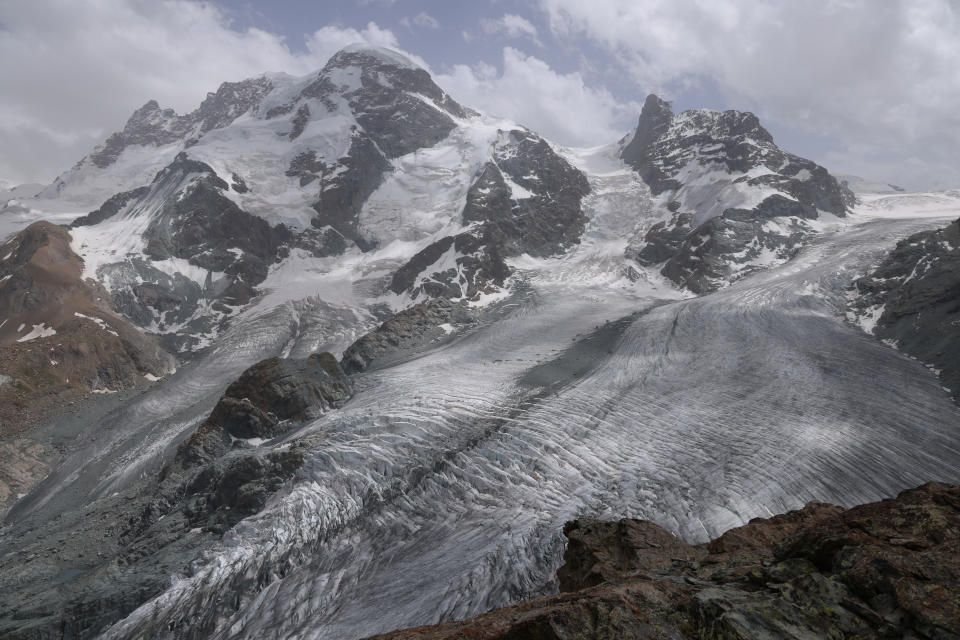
x,y
888,569
403,334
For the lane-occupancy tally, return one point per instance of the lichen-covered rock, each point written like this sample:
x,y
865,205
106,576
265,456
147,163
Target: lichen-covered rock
x,y
889,569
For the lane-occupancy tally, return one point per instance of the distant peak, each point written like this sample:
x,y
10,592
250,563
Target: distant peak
x,y
351,53
656,103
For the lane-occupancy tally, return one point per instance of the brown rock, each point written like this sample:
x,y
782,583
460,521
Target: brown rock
x,y
888,569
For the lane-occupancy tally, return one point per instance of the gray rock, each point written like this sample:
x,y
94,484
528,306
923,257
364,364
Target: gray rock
x,y
152,126
917,286
403,334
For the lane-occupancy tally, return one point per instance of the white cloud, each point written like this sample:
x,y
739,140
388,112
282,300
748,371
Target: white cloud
x,y
874,75
558,106
426,20
512,25
73,72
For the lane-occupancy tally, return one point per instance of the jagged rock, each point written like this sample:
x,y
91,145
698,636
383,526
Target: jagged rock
x,y
238,184
730,246
705,165
341,197
379,105
914,298
888,569
408,330
275,391
460,266
300,121
202,226
641,153
151,125
600,551
111,207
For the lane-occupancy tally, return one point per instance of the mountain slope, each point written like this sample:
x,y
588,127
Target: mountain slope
x,y
367,159
912,300
58,332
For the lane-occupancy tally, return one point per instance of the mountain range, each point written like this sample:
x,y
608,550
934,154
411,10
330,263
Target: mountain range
x,y
335,355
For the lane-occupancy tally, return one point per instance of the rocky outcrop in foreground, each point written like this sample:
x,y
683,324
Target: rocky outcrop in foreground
x,y
913,297
888,569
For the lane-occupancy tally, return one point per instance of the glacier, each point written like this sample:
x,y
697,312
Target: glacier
x,y
440,490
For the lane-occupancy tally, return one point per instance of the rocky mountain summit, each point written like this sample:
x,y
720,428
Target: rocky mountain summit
x,y
366,152
732,201
888,569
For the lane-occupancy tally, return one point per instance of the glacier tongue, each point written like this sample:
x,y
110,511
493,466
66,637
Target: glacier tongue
x,y
440,490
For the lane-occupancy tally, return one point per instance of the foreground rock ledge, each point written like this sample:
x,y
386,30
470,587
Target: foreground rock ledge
x,y
888,569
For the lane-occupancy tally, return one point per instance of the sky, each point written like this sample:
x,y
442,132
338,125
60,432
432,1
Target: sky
x,y
865,87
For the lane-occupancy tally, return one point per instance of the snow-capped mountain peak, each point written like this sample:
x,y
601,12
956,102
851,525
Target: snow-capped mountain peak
x,y
730,200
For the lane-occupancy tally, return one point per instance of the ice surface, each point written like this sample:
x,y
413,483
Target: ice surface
x,y
440,490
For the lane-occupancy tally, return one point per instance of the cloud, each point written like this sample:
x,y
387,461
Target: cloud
x,y
74,72
422,19
558,106
512,25
879,76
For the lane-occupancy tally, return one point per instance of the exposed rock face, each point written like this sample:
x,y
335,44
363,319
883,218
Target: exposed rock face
x,y
59,338
213,481
889,569
386,102
525,200
733,201
111,207
358,174
418,326
914,299
273,392
204,228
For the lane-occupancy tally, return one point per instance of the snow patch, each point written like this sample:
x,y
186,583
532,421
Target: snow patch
x,y
39,331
